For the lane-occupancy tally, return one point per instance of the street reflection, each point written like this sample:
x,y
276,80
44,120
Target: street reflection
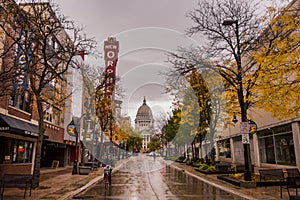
x,y
143,178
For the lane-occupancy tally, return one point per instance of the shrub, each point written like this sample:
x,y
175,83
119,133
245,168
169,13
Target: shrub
x,y
180,159
238,175
206,167
197,163
189,162
173,158
211,168
203,166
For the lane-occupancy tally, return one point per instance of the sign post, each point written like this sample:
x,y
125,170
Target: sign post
x,y
71,129
245,132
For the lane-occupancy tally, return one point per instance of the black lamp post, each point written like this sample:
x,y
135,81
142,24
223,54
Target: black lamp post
x,y
71,129
246,145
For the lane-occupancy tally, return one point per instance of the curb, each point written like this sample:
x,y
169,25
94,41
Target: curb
x,y
69,195
73,193
216,185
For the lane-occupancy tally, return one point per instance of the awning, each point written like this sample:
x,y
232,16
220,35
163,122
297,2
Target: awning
x,y
13,125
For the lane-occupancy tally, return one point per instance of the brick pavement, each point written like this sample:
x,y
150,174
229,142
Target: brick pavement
x,y
259,193
54,184
60,184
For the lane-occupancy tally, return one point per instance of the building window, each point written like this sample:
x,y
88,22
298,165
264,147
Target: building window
x,y
15,151
53,115
224,148
276,145
21,100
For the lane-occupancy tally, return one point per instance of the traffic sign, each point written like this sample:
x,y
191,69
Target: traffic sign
x,y
245,139
244,127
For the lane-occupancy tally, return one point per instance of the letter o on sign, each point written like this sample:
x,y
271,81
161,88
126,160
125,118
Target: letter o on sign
x,y
110,54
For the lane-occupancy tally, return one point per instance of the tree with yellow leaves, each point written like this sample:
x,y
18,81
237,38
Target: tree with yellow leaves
x,y
258,58
277,59
204,101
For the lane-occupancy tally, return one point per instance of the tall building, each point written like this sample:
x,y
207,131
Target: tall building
x,y
144,123
19,113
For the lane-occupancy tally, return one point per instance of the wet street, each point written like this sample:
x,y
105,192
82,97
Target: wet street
x,y
144,177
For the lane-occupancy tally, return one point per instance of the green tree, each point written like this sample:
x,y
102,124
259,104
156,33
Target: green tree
x,y
154,143
134,141
171,127
204,108
90,76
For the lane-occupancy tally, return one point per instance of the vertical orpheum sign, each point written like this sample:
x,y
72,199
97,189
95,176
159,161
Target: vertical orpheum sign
x,y
23,56
111,50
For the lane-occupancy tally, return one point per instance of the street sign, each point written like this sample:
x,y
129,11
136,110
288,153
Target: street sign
x,y
252,126
245,139
71,130
244,127
245,132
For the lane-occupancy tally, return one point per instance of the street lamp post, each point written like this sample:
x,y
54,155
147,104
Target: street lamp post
x,y
71,129
246,145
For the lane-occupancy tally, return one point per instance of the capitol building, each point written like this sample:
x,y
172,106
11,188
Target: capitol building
x,y
144,123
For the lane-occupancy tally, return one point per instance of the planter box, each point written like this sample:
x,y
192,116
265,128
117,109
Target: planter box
x,y
248,184
213,172
240,183
84,170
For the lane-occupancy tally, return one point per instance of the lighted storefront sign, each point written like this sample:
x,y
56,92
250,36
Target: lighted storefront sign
x,y
111,50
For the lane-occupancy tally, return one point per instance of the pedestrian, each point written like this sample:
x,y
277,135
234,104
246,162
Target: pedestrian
x,y
154,156
107,172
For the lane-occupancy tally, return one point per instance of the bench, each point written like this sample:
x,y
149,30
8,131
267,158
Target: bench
x,y
84,170
275,175
271,175
92,165
294,172
292,183
16,181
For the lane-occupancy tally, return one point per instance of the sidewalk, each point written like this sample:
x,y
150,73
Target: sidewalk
x,y
257,193
60,184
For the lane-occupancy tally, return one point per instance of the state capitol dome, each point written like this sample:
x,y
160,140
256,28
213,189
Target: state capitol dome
x,y
144,112
144,123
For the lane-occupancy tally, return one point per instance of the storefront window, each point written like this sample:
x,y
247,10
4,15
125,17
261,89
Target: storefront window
x,y
276,146
15,151
224,148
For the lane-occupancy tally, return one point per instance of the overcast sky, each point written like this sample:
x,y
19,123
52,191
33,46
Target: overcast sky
x,y
146,30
